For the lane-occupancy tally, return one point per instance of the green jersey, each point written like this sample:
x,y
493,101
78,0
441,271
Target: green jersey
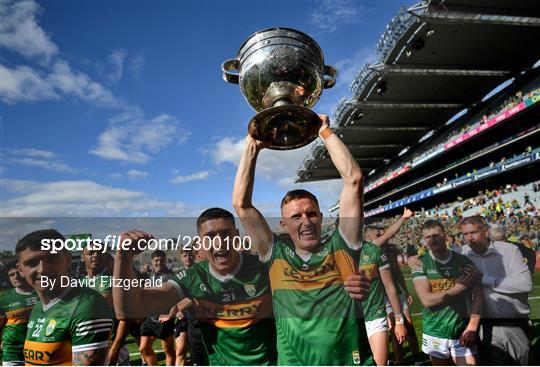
x,y
101,283
315,317
448,320
15,307
372,260
77,321
235,311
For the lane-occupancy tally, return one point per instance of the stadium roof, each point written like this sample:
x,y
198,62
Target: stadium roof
x,y
435,59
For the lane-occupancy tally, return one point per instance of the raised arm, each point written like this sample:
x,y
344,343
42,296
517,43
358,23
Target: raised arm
x,y
351,210
136,302
394,228
252,220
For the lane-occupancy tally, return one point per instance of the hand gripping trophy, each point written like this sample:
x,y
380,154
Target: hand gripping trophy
x,y
281,73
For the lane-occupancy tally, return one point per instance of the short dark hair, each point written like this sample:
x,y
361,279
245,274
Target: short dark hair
x,y
32,241
214,213
296,195
11,264
475,220
432,223
158,253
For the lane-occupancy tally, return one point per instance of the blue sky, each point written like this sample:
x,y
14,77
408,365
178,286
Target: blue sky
x,y
119,109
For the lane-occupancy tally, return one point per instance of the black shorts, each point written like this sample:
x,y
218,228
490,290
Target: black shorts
x,y
180,327
157,329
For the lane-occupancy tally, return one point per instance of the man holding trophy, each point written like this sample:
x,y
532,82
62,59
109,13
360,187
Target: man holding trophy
x,y
281,74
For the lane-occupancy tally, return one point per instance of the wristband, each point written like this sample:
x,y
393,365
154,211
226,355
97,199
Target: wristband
x,y
326,133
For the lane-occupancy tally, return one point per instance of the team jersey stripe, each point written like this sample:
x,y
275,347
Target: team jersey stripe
x,y
83,333
92,346
419,277
82,323
94,326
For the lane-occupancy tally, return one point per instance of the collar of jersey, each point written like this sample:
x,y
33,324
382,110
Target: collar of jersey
x,y
226,278
56,300
22,292
444,262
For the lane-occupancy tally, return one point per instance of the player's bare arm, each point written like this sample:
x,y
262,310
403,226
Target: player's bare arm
x,y
351,199
431,299
394,228
469,337
138,302
94,357
252,220
391,291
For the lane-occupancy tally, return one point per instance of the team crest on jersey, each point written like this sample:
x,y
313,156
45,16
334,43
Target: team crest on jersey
x,y
365,257
50,327
250,289
356,357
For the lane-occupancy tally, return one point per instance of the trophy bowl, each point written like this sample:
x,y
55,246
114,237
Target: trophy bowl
x,y
281,74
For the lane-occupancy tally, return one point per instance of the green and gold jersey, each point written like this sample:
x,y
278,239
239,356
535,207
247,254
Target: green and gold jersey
x,y
15,307
372,260
448,320
79,320
315,317
235,312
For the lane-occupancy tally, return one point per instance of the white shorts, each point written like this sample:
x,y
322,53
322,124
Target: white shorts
x,y
402,299
375,326
444,348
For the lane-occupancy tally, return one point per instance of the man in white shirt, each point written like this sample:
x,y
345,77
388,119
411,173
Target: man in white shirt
x,y
506,282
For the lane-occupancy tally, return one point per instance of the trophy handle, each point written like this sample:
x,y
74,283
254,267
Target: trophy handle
x,y
226,67
332,73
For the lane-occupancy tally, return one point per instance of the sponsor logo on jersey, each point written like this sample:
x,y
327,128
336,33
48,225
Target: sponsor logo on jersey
x,y
432,272
370,271
13,304
320,271
289,251
50,327
441,285
250,289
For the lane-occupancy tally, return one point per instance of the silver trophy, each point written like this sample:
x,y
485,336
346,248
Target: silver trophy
x,y
281,73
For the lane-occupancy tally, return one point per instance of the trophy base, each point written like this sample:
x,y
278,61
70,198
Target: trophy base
x,y
285,127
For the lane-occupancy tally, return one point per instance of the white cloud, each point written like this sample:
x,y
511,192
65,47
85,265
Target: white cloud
x,y
40,163
136,174
81,198
24,84
331,13
132,140
37,158
116,60
202,175
19,31
31,152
